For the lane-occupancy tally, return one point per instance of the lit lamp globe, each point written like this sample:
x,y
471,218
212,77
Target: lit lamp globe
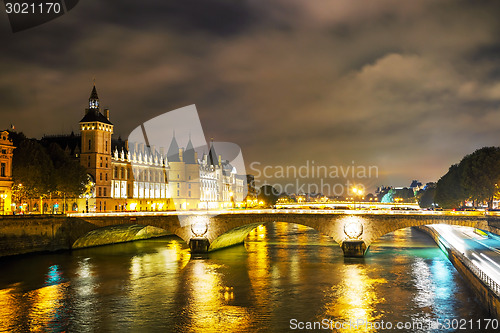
x,y
199,229
353,229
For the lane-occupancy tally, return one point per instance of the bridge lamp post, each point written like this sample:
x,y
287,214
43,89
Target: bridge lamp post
x,y
357,192
87,203
231,195
199,242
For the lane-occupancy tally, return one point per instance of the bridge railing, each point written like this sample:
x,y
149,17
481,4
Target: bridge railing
x,y
267,211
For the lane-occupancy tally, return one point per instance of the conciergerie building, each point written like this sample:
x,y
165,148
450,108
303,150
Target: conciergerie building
x,y
140,178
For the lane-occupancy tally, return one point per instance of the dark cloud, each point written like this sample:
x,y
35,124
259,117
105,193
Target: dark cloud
x,y
409,86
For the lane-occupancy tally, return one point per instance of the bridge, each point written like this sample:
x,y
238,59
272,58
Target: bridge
x,y
207,231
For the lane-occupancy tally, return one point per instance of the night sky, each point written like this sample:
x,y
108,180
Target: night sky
x,y
407,86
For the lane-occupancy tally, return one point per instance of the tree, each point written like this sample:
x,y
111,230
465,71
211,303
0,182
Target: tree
x,y
32,170
475,178
449,190
425,196
70,177
481,174
268,195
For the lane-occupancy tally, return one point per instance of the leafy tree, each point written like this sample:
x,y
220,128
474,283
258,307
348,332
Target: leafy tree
x,y
481,174
449,190
426,195
32,170
268,194
475,178
70,177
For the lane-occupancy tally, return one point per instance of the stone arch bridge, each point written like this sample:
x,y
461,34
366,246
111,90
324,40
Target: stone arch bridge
x,y
208,231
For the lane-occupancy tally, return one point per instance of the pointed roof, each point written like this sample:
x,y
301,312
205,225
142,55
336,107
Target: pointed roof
x,y
93,113
93,94
212,155
173,151
189,155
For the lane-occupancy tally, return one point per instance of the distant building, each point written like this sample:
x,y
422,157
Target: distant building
x,y
6,153
141,178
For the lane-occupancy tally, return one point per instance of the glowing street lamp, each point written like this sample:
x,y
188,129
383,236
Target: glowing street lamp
x,y
357,192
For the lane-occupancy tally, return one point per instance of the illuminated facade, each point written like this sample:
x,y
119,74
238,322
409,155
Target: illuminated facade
x,y
141,178
6,152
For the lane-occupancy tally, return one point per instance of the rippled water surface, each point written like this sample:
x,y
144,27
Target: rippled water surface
x,y
283,273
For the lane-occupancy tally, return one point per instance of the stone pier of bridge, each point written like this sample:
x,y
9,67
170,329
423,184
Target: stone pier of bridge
x,y
206,232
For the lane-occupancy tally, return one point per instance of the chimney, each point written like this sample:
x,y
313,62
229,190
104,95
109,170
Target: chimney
x,y
181,152
106,113
195,156
126,144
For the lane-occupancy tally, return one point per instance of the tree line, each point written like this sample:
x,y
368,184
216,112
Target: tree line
x,y
44,171
475,178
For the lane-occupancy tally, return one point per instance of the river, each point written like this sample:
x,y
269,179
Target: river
x,y
285,276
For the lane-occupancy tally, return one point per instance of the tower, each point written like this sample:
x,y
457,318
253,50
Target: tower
x,y
95,156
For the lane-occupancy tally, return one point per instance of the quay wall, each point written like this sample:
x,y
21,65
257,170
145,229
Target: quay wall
x,y
484,293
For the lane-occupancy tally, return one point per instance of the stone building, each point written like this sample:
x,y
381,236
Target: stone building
x,y
6,153
142,178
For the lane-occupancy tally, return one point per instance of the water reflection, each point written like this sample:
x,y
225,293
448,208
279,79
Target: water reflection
x,y
283,271
211,305
10,307
84,288
47,311
355,298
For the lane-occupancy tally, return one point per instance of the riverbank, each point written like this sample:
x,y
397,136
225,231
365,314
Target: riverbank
x,y
483,287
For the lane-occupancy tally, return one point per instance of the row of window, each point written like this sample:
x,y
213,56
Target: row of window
x,y
105,146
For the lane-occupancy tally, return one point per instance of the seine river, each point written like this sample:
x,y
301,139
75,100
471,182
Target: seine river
x,y
285,276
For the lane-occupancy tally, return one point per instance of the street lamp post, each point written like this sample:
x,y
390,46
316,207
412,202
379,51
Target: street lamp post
x,y
87,203
357,192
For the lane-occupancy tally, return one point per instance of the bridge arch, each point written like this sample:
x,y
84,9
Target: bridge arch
x,y
230,230
354,232
118,234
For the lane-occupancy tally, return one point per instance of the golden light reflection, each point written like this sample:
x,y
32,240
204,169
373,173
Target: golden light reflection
x,y
10,304
211,303
153,274
259,265
177,254
46,307
355,299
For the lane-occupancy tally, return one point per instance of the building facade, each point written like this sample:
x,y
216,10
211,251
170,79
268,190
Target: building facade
x,y
136,177
6,153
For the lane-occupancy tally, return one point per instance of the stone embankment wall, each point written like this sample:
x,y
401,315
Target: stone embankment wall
x,y
483,291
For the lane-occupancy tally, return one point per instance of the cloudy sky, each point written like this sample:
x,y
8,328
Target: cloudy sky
x,y
407,86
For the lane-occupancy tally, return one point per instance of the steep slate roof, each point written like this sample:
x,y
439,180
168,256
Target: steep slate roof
x,y
94,115
212,156
173,151
189,153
